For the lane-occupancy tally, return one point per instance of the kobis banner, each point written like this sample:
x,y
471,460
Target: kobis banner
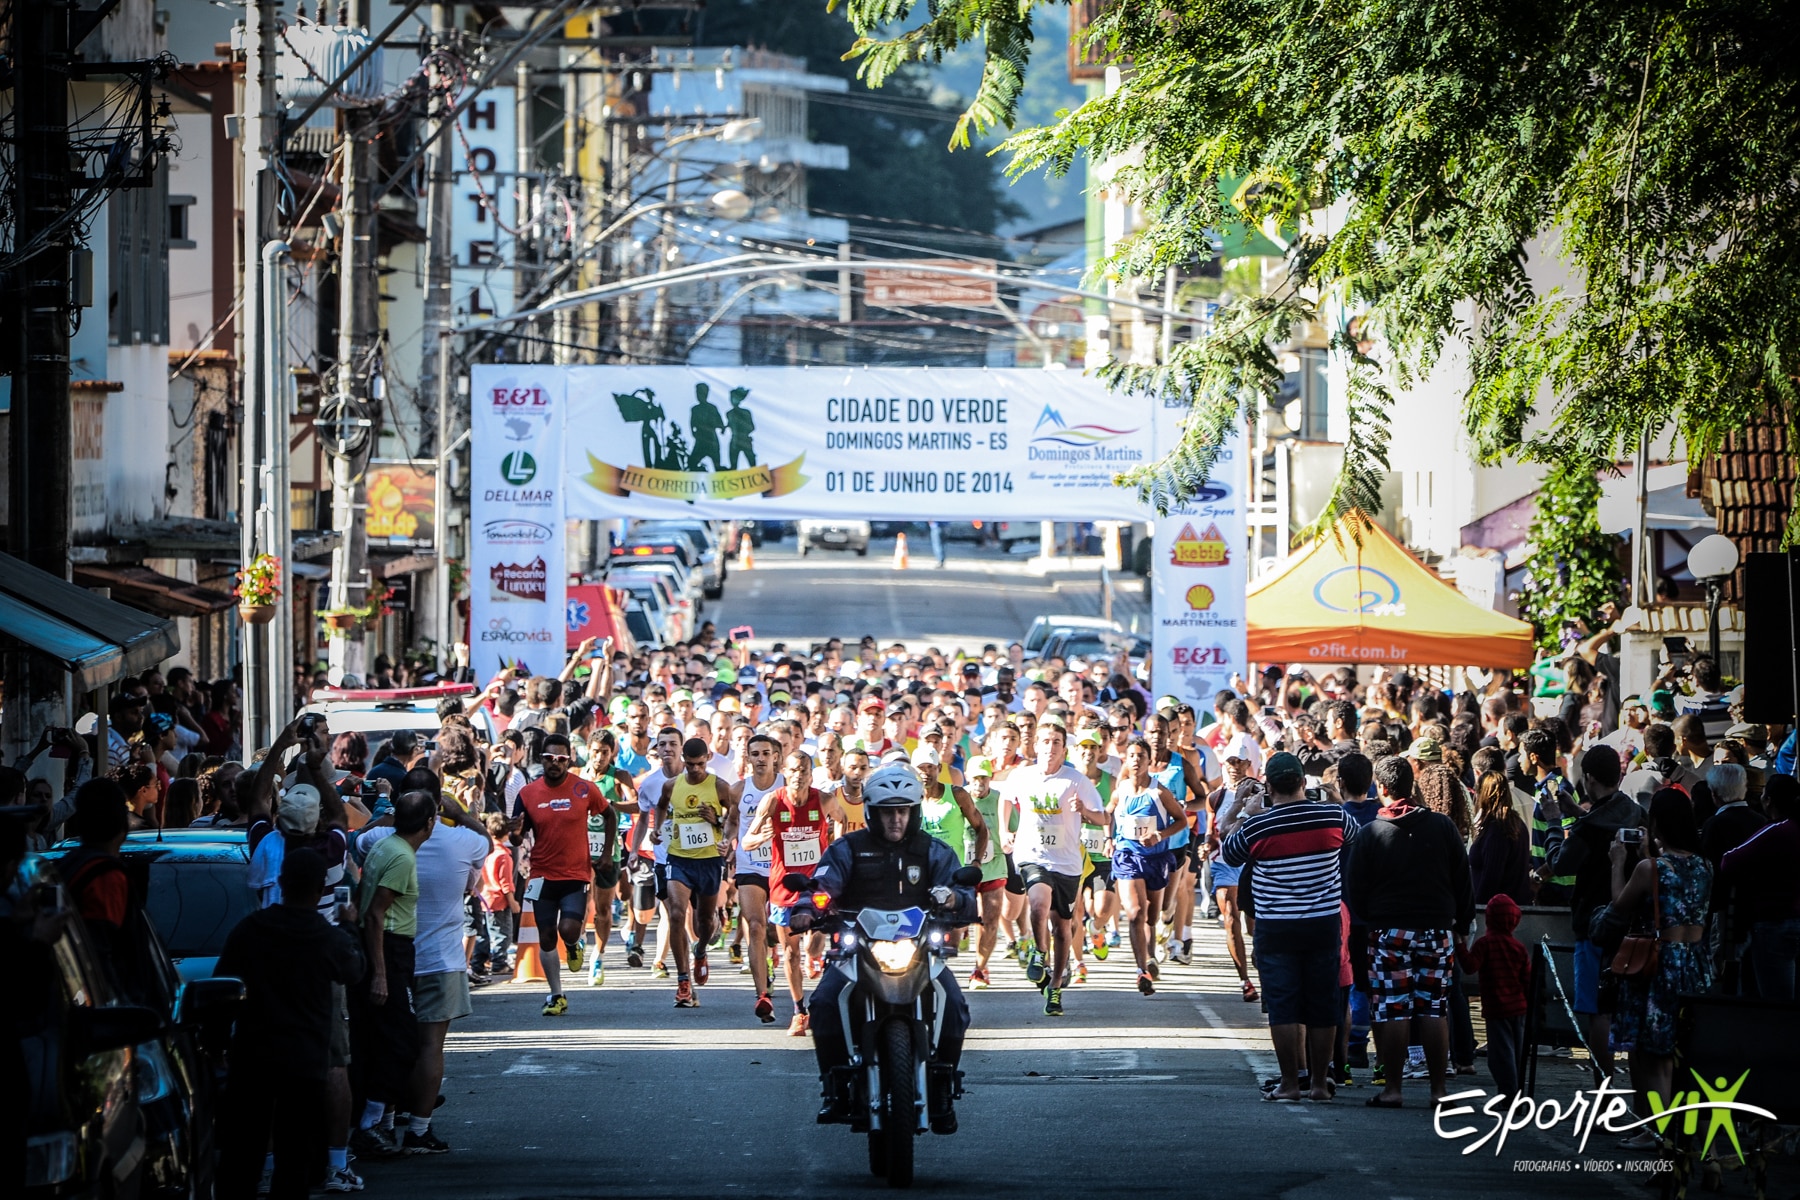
x,y
1197,586
516,572
790,442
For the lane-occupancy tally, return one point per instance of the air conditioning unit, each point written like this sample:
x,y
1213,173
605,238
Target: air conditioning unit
x,y
312,56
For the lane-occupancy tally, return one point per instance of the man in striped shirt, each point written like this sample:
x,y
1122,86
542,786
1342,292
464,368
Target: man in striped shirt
x,y
1296,845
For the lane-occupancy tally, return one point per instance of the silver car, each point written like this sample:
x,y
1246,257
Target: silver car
x,y
835,535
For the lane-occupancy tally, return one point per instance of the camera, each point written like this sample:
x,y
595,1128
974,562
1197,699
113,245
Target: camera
x,y
1631,836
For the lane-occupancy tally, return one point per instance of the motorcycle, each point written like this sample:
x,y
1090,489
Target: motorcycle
x,y
892,1013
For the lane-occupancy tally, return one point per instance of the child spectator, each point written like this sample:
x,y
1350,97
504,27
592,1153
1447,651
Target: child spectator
x,y
498,901
1505,969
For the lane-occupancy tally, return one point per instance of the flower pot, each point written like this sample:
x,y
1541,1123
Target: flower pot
x,y
341,622
256,614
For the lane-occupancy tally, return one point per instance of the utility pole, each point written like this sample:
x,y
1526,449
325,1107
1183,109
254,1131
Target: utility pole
x,y
261,124
39,515
435,376
358,318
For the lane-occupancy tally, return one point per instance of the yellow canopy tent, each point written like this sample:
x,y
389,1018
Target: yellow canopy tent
x,y
1336,601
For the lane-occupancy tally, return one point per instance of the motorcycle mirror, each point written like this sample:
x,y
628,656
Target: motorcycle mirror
x,y
793,881
966,876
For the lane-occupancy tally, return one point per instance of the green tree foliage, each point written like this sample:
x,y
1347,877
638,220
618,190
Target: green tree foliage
x,y
1574,566
1426,149
902,184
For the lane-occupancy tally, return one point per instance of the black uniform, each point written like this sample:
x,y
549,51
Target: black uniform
x,y
865,870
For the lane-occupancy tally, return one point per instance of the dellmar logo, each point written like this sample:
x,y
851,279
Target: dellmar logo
x,y
518,468
515,533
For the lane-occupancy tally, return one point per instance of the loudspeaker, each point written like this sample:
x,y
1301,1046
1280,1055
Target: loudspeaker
x,y
1771,671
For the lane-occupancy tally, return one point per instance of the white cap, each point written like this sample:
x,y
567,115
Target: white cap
x,y
925,756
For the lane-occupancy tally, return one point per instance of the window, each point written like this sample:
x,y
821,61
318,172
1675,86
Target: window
x,y
179,237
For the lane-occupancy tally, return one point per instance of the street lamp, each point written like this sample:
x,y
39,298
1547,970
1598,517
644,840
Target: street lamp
x,y
1711,561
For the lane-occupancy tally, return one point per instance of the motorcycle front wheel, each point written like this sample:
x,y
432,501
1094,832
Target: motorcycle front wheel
x,y
899,1111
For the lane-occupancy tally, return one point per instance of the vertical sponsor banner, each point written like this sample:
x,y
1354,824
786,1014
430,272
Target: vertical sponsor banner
x,y
516,574
1198,580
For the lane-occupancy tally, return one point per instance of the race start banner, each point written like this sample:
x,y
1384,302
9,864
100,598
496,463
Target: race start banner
x,y
517,575
791,442
1198,580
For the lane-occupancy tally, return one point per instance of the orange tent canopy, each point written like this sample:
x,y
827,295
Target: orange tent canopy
x,y
1336,601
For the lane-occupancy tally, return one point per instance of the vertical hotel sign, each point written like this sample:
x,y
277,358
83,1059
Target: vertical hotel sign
x,y
1199,578
516,574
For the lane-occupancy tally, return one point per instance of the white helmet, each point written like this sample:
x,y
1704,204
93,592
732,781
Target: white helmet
x,y
893,786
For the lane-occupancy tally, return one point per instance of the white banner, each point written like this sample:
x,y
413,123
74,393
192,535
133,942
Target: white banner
x,y
791,442
1198,579
516,572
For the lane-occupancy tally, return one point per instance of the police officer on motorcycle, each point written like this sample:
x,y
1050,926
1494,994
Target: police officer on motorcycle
x,y
892,864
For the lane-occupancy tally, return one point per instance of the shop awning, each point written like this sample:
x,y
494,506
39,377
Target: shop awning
x,y
155,592
97,640
1338,602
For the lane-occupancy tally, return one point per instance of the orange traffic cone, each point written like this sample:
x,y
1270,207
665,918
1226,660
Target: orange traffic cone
x,y
746,556
528,959
901,561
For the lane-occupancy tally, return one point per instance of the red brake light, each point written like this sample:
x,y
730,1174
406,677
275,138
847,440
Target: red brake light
x,y
821,900
665,549
618,549
641,551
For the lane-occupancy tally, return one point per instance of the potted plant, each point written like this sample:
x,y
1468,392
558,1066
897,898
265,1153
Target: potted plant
x,y
258,588
342,620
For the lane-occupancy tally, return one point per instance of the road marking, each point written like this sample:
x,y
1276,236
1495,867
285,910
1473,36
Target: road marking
x,y
1260,1062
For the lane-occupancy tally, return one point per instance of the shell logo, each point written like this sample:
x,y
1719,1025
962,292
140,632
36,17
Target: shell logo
x,y
1199,597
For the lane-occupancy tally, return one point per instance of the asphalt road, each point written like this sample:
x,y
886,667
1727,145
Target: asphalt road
x,y
979,596
1126,1095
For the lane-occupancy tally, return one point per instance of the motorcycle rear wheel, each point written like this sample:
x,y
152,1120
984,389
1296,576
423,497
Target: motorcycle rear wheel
x,y
899,1098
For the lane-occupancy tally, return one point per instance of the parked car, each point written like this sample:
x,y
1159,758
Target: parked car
x,y
1043,627
379,713
1017,533
123,1060
654,599
682,586
836,535
642,630
1090,644
694,544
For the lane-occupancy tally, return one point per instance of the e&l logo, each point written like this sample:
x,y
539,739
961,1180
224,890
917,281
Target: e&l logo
x,y
518,468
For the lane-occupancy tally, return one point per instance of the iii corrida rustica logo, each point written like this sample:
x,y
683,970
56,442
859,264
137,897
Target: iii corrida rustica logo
x,y
712,457
1604,1108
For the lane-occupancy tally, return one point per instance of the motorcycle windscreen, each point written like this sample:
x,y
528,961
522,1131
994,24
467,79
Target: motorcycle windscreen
x,y
890,925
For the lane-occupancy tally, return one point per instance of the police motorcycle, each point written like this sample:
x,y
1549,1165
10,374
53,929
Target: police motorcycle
x,y
892,1013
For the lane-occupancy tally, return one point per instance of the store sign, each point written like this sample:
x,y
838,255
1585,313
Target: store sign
x,y
910,287
402,503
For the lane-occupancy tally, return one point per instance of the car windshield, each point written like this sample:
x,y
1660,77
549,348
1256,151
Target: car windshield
x,y
193,905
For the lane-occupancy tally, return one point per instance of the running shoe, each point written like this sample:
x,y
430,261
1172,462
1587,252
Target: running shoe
x,y
1145,984
737,952
1112,939
661,971
368,1143
1101,949
1080,972
743,968
1378,1076
815,967
978,978
556,1006
684,995
596,973
1340,1075
765,1009
574,959
343,1179
634,954
1187,952
800,1025
1155,971
1053,1002
423,1143
702,972
1034,969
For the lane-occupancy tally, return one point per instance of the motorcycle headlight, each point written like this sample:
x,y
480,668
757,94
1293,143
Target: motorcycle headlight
x,y
155,1074
894,956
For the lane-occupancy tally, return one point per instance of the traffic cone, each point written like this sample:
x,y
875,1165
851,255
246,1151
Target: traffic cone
x,y
746,557
528,960
901,561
